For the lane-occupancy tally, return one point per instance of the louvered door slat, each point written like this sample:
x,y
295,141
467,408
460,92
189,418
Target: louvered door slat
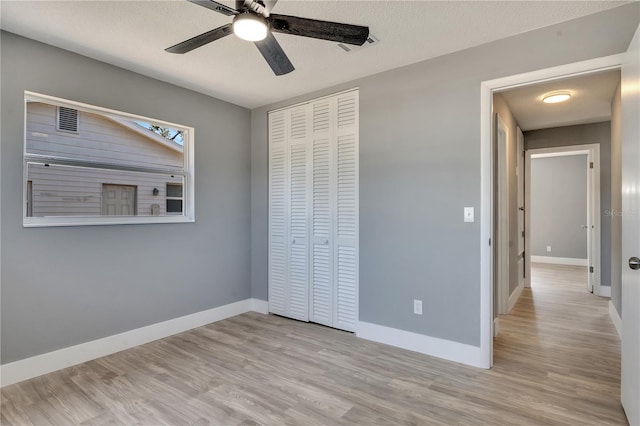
x,y
346,191
278,189
321,116
347,110
346,288
299,125
321,291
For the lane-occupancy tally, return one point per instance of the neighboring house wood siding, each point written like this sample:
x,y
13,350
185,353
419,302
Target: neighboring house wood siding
x,y
77,191
63,191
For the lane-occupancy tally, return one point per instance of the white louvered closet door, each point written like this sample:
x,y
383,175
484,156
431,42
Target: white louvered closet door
x,y
288,213
298,213
322,294
334,222
313,211
278,211
346,229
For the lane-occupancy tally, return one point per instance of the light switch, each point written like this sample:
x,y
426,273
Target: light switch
x,y
468,214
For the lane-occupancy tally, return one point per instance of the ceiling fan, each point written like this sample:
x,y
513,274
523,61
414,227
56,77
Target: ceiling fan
x,y
253,21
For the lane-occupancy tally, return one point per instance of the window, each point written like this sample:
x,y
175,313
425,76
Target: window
x,y
86,165
174,198
68,119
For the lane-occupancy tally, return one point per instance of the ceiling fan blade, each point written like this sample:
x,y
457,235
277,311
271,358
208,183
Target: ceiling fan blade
x,y
216,7
201,40
274,55
324,30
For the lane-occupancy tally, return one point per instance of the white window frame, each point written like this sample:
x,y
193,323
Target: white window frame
x,y
167,197
187,171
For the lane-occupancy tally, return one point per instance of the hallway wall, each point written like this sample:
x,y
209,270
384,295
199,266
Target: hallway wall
x,y
559,206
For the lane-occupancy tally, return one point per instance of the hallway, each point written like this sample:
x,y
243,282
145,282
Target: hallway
x,y
560,339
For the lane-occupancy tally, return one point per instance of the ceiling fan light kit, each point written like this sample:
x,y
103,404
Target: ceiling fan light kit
x,y
250,26
253,21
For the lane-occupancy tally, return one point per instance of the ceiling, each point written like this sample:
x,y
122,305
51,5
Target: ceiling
x,y
590,101
134,34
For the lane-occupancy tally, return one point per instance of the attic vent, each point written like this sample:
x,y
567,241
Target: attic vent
x,y
371,40
68,119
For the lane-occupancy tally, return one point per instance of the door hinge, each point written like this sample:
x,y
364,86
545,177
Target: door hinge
x,y
489,241
591,165
591,269
522,233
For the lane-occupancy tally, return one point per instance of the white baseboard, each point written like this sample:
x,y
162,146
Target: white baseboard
x,y
38,365
605,291
496,327
615,317
261,306
447,349
560,260
513,299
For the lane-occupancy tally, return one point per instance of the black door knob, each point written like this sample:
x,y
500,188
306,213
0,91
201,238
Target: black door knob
x,y
634,263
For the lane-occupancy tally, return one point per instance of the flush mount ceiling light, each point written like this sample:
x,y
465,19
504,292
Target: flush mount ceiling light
x,y
556,97
250,26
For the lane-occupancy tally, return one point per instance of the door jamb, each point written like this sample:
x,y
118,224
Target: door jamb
x,y
487,88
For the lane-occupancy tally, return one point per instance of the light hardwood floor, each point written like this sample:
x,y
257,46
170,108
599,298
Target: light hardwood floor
x,y
557,361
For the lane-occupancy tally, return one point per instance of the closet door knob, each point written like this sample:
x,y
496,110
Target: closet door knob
x,y
326,241
293,241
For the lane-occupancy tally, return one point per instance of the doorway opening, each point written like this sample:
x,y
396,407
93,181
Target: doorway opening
x,y
490,210
562,192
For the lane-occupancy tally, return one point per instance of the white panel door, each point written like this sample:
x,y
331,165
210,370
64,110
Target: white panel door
x,y
298,218
322,285
630,388
346,212
278,208
118,200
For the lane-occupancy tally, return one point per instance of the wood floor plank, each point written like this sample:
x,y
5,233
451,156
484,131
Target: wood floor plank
x,y
556,362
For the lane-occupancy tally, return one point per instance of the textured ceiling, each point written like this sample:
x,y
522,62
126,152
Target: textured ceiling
x,y
590,101
134,34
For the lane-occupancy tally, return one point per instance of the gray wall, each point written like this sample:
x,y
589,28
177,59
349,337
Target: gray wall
x,y
65,286
616,202
420,165
559,206
594,133
501,107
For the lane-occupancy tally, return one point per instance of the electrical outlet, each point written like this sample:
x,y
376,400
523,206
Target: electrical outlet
x,y
417,307
548,249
